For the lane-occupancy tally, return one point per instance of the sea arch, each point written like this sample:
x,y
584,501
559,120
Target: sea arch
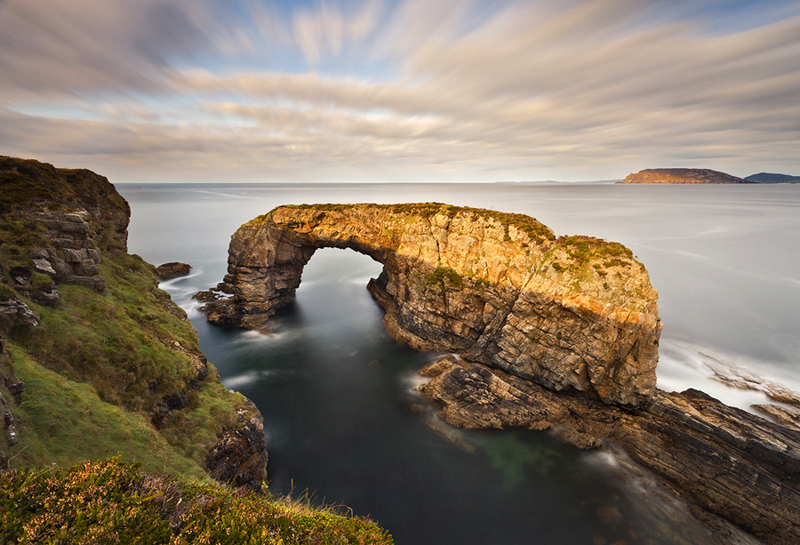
x,y
499,289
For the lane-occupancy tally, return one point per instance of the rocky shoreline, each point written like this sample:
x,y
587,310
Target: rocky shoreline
x,y
725,461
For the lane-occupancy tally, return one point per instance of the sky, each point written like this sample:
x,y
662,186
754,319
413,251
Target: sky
x,y
400,90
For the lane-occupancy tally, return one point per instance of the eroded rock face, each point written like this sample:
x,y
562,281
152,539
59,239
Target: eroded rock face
x,y
14,310
72,253
58,226
499,289
240,455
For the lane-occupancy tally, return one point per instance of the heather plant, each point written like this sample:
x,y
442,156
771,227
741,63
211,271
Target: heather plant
x,y
112,503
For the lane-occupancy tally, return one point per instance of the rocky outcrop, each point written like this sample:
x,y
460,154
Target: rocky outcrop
x,y
172,269
70,252
15,311
240,455
500,289
681,176
728,462
61,220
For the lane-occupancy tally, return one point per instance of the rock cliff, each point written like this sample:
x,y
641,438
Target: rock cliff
x,y
79,310
681,176
499,289
555,334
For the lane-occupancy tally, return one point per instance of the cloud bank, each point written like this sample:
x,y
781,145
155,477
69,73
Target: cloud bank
x,y
183,90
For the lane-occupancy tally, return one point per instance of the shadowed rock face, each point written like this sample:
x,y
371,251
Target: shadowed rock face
x,y
499,289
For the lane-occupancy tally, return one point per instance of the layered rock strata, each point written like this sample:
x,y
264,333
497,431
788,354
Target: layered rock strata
x,y
726,461
71,253
500,289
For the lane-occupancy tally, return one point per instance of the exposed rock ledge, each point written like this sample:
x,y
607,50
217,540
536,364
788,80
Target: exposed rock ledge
x,y
730,463
499,289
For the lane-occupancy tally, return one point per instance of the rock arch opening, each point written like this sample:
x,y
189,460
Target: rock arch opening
x,y
333,288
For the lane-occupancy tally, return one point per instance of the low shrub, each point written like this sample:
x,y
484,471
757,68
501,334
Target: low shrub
x,y
112,503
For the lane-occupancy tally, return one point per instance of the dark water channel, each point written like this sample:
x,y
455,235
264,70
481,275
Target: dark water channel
x,y
344,426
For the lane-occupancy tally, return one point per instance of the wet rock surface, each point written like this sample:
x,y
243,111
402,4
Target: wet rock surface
x,y
727,462
556,334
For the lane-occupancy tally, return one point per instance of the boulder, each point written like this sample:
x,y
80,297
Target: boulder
x,y
173,269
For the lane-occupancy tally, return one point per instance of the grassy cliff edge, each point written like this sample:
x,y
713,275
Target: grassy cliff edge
x,y
96,362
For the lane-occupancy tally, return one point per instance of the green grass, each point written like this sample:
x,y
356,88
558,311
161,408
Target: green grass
x,y
112,503
63,422
117,349
445,277
96,371
120,341
535,230
193,430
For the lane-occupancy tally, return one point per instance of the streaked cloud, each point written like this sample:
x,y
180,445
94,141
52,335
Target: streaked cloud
x,y
408,90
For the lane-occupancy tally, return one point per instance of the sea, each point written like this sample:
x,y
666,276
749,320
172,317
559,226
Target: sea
x,y
344,426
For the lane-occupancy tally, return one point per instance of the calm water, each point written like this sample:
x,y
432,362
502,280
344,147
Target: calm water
x,y
335,389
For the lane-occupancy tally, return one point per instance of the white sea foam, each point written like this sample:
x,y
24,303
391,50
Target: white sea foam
x,y
600,458
167,285
245,379
411,381
272,334
683,365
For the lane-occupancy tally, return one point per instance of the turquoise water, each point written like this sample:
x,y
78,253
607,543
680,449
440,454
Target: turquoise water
x,y
343,424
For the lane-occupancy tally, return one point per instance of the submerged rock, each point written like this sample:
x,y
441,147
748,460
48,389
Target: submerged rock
x,y
500,289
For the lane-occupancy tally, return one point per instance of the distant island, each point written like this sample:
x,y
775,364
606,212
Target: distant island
x,y
702,176
681,176
772,178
